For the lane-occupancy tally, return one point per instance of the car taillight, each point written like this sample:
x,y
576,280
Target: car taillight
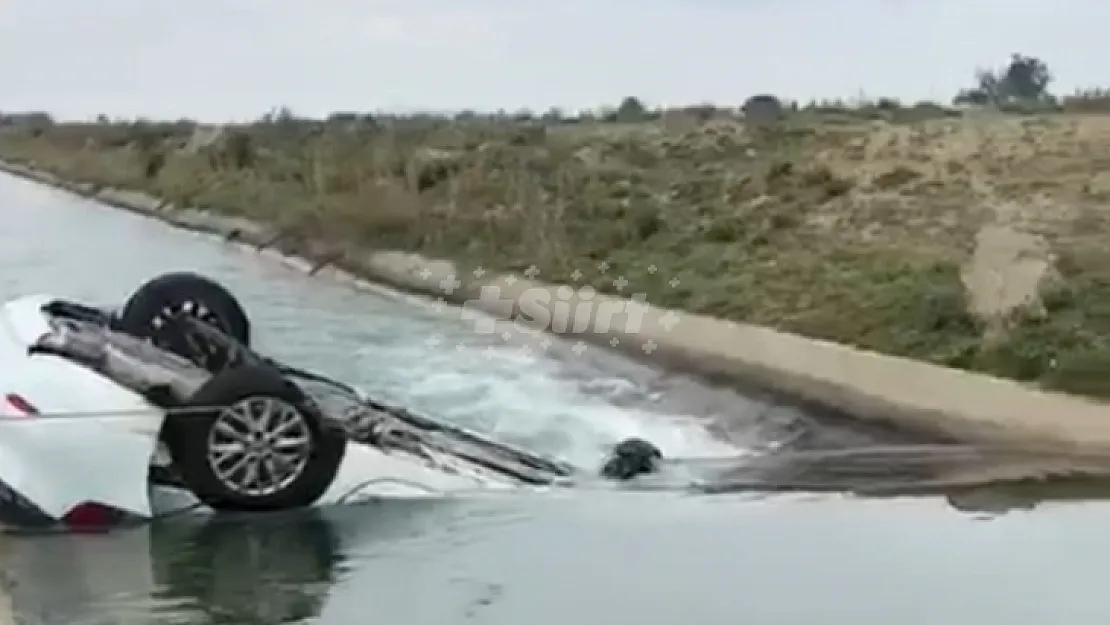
x,y
21,404
91,516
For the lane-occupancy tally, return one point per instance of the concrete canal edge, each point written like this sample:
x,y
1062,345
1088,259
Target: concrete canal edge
x,y
898,392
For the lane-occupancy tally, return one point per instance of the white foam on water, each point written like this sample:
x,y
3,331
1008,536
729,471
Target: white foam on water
x,y
439,366
520,399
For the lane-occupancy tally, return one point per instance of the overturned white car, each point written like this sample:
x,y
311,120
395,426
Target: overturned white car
x,y
162,406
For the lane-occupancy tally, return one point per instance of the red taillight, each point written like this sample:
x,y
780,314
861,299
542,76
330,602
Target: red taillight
x,y
91,517
21,404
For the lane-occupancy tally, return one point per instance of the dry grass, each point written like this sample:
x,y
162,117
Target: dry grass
x,y
976,242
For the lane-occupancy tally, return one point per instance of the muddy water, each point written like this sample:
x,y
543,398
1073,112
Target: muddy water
x,y
629,558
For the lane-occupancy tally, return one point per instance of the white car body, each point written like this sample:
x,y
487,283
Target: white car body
x,y
87,439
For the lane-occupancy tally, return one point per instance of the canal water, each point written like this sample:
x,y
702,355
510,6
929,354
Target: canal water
x,y
590,556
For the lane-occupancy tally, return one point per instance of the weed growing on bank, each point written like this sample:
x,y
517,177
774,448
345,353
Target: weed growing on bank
x,y
967,239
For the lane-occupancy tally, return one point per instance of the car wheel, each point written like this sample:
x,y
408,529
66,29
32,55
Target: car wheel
x,y
249,440
155,310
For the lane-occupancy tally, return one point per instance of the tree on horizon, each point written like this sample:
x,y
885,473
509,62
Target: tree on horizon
x,y
1025,78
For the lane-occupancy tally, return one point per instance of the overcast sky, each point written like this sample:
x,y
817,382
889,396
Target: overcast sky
x,y
235,59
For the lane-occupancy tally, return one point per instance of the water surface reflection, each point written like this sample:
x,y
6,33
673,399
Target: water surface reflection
x,y
646,558
266,571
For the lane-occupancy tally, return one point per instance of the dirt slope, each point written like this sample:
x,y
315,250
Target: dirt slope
x,y
975,242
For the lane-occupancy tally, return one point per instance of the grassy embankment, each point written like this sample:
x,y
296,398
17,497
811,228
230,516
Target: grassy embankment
x,y
978,242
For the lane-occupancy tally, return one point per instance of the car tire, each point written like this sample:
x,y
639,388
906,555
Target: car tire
x,y
151,311
221,414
